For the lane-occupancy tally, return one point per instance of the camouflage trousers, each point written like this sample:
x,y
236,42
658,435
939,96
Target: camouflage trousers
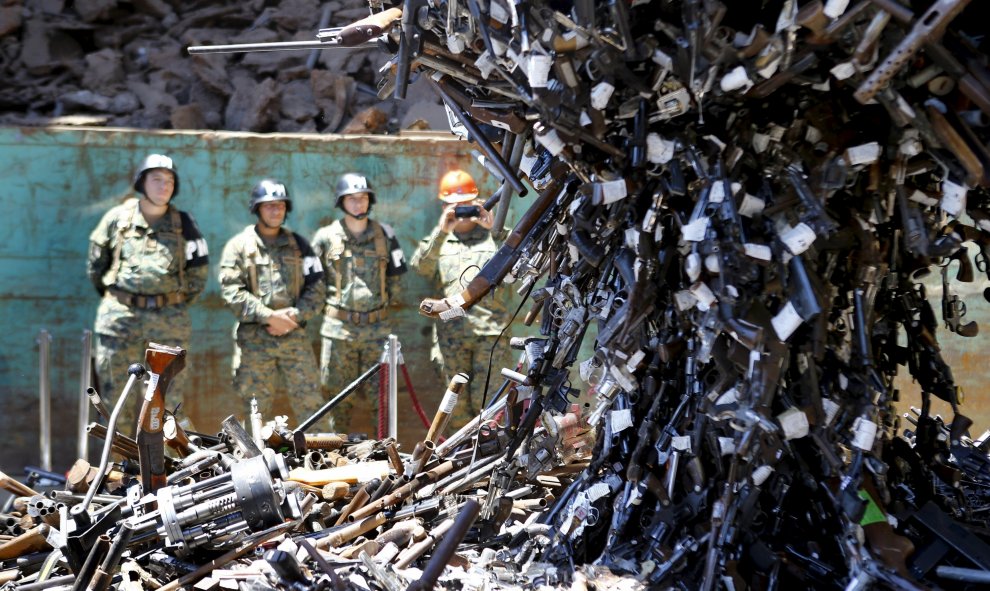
x,y
458,354
342,362
263,362
114,355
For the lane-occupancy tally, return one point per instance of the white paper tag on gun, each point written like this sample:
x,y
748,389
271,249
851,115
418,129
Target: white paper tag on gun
x,y
695,231
601,94
538,70
799,238
786,321
152,385
612,191
953,198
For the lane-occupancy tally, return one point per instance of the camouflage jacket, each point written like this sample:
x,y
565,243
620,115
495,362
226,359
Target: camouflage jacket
x,y
362,272
128,255
450,261
257,277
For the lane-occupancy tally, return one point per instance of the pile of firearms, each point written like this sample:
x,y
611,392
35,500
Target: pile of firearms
x,y
278,508
741,201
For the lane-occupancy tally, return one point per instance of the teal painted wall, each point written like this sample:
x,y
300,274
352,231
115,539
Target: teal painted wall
x,y
57,183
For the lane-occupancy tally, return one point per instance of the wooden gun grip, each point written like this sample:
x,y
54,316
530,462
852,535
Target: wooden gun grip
x,y
163,364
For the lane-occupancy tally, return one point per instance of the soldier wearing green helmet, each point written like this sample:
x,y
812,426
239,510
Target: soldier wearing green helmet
x,y
363,263
272,280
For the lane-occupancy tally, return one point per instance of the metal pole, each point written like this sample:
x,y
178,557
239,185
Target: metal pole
x,y
45,399
85,375
515,154
324,23
393,385
339,397
445,550
135,372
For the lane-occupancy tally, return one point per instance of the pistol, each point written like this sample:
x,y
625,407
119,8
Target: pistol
x,y
953,308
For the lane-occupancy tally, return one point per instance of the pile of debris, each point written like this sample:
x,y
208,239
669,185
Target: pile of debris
x,y
280,507
124,64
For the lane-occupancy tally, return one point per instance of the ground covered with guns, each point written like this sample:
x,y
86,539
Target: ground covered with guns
x,y
740,200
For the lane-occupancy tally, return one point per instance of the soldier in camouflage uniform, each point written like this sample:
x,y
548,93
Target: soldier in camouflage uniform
x,y
363,261
273,281
148,261
451,256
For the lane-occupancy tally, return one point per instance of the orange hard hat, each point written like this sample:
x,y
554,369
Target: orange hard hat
x,y
457,186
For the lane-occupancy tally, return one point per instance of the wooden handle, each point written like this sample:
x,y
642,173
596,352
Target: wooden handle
x,y
352,473
368,28
18,488
164,363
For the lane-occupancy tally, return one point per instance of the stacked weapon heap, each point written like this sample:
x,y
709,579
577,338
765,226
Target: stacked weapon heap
x,y
741,200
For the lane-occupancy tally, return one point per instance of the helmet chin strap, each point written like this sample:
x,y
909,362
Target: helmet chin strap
x,y
262,221
359,216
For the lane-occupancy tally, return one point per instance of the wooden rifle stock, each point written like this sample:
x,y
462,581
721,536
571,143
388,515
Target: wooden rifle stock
x,y
502,261
363,30
952,139
163,363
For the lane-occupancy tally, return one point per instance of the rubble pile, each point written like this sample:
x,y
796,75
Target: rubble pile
x,y
742,199
123,64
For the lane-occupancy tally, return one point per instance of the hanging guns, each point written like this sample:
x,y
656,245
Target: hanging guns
x,y
360,34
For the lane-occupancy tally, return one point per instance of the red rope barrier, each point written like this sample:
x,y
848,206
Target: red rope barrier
x,y
412,397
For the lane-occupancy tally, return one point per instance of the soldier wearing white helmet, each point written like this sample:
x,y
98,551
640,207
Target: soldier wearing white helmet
x,y
148,261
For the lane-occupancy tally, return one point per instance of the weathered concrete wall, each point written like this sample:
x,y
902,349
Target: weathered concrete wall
x,y
57,183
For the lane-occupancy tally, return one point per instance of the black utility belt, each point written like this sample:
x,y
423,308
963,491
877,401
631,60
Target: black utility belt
x,y
357,318
148,301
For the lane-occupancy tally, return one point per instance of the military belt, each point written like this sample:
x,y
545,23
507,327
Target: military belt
x,y
358,318
148,301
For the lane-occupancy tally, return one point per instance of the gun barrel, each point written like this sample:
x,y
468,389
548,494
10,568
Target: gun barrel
x,y
277,46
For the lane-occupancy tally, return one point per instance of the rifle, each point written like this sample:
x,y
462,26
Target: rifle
x,y
360,34
409,42
163,364
927,29
816,217
480,138
503,118
969,84
534,221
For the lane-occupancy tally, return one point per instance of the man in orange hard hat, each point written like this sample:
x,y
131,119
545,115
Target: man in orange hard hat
x,y
451,256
